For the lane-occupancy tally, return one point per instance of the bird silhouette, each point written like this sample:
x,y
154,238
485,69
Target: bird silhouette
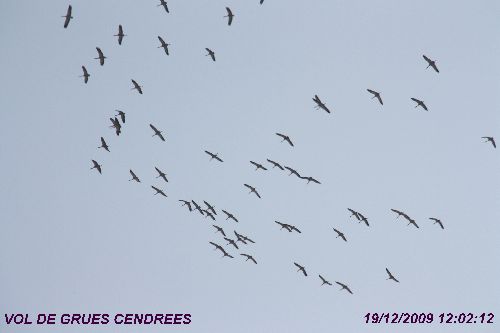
x,y
363,219
340,234
252,190
68,16
121,114
242,238
134,176
285,138
232,242
103,144
136,86
120,34
158,191
490,139
258,166
116,125
391,277
324,281
284,226
219,229
292,171
400,213
419,103
320,104
163,45
224,253
294,228
248,257
161,174
85,75
187,203
210,53
310,179
275,164
157,132
438,221
343,286
230,216
101,56
354,213
431,63
164,4
198,208
214,156
96,166
301,268
210,207
229,16
376,95
208,214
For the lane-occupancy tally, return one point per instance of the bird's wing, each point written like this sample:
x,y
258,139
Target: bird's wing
x,y
372,91
380,99
388,272
435,67
136,85
154,128
102,141
415,100
493,142
289,141
281,135
68,17
218,159
161,137
257,193
424,106
427,59
250,187
161,41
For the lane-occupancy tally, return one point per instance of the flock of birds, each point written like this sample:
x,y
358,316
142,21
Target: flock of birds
x,y
209,211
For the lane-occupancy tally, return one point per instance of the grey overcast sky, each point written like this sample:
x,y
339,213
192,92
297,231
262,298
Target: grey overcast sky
x,y
74,241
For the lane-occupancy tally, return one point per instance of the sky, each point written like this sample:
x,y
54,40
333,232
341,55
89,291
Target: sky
x,y
75,241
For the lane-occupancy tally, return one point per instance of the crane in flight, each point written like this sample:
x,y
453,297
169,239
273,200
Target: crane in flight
x,y
362,218
214,156
284,225
136,86
208,214
490,139
275,164
224,253
121,114
229,16
285,138
438,221
242,238
400,213
230,216
210,53
187,203
412,221
116,125
376,95
252,190
85,75
320,104
163,45
248,257
67,16
294,228
158,191
419,103
354,213
120,34
343,286
431,63
157,132
310,179
219,229
292,171
301,268
103,144
258,166
391,277
198,208
232,242
324,281
96,166
101,56
134,176
340,234
210,207
161,174
164,4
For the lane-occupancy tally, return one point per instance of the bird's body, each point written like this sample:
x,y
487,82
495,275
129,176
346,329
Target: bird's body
x,y
340,234
157,132
210,53
229,16
376,94
85,75
252,190
136,86
214,156
68,16
230,216
419,103
431,63
490,139
275,164
120,34
134,176
103,144
249,257
285,138
163,45
438,221
101,56
391,277
320,104
301,268
96,166
158,191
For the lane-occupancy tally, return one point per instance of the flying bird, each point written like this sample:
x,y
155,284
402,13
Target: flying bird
x,y
354,213
187,203
252,189
340,234
324,281
96,166
294,228
120,34
158,191
437,221
116,125
219,229
164,4
161,174
292,171
103,144
157,132
248,257
284,225
376,95
242,238
258,166
320,104
229,16
101,56
210,207
232,242
121,114
431,63
210,53
85,75
136,86
411,221
363,219
285,138
419,103
68,16
214,156
230,216
208,214
490,139
275,164
218,247
400,213
310,179
134,176
198,208
301,268
391,277
343,286
163,45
